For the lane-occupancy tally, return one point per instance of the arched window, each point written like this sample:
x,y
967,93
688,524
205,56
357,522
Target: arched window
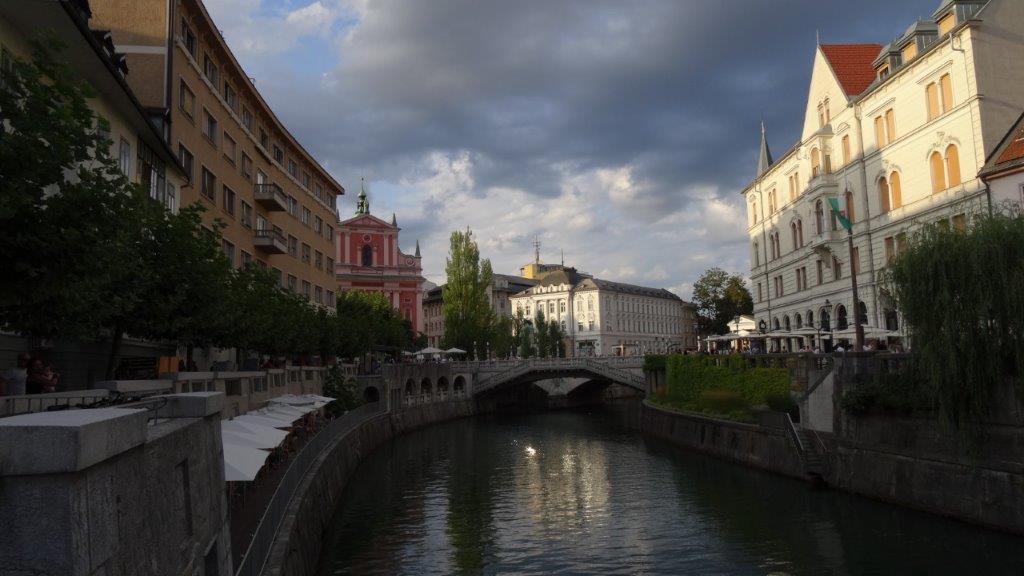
x,y
792,230
815,163
753,211
561,306
367,255
799,321
819,217
938,172
883,194
952,166
841,321
892,320
787,323
863,313
757,255
894,188
810,319
826,319
775,323
851,214
800,233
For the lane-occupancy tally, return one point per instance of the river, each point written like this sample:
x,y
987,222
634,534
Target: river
x,y
583,492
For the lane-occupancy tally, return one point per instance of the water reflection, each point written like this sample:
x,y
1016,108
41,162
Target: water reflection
x,y
592,496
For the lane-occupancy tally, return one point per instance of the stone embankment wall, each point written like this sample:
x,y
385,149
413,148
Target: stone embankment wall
x,y
300,538
751,444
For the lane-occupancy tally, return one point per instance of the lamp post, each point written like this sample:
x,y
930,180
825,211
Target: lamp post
x,y
831,340
858,328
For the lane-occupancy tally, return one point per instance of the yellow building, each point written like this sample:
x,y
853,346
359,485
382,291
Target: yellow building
x,y
276,200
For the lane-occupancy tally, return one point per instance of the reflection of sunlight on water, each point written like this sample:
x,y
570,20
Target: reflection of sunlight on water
x,y
565,486
530,451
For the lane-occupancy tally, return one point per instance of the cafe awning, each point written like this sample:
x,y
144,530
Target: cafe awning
x,y
241,463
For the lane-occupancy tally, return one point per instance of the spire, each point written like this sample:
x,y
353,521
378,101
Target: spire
x,y
536,250
764,157
394,220
417,248
363,205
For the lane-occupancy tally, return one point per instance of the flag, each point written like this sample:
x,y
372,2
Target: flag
x,y
840,214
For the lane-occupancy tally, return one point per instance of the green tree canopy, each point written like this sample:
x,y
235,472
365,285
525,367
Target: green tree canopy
x,y
720,297
468,317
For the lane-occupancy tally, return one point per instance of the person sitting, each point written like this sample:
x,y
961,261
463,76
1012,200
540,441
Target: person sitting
x,y
41,378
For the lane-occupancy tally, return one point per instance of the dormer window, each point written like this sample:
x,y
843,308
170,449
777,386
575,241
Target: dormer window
x,y
883,72
946,23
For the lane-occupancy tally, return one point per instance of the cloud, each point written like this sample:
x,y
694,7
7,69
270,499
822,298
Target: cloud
x,y
619,133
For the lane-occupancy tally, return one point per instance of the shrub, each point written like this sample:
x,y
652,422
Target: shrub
x,y
722,401
783,403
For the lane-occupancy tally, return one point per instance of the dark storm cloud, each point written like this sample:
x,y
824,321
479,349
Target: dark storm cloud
x,y
675,89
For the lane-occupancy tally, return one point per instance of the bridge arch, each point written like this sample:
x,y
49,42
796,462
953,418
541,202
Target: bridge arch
x,y
426,389
371,394
604,370
410,388
442,388
459,386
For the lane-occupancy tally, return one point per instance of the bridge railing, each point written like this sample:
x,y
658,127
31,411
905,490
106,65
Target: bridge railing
x,y
599,365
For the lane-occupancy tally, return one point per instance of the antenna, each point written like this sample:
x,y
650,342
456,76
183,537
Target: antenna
x,y
817,36
536,250
563,258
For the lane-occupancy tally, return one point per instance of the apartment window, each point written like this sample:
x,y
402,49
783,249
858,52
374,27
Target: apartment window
x,y
901,243
890,249
306,253
188,38
293,246
890,125
187,161
246,166
246,258
895,190
293,283
946,23
760,295
264,139
247,119
757,255
815,168
318,225
305,289
305,216
210,127
821,272
230,98
293,206
293,168
210,70
229,252
172,199
246,214
318,295
229,201
330,264
883,194
330,298
851,214
209,186
230,148
952,165
855,260
278,154
124,157
846,150
837,269
879,131
318,191
186,99
318,261
307,181
946,87
330,232
932,98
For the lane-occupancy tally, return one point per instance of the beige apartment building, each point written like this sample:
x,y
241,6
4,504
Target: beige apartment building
x,y
897,133
277,203
499,294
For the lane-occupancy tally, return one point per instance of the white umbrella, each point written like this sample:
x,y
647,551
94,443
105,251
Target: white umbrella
x,y
430,350
264,421
267,434
319,398
245,440
455,351
287,411
242,464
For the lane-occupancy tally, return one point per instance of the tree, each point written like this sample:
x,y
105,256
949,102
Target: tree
x,y
503,342
556,339
542,334
467,312
720,297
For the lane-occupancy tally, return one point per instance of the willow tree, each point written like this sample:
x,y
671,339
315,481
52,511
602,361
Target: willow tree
x,y
468,317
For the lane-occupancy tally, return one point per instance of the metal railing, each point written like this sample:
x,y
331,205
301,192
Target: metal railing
x,y
596,365
257,553
28,403
270,233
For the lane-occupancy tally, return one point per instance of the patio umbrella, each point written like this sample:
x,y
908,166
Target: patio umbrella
x,y
455,351
264,421
242,464
430,350
266,434
245,440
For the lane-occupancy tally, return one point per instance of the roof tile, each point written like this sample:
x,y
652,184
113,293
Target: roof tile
x,y
851,64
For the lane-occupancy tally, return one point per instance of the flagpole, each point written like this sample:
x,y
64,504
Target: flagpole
x,y
858,329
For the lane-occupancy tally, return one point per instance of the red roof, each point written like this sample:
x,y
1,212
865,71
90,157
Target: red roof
x,y
851,64
1015,148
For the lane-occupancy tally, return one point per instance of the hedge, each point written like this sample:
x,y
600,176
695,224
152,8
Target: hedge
x,y
687,377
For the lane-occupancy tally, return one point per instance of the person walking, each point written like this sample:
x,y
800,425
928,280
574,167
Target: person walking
x,y
12,380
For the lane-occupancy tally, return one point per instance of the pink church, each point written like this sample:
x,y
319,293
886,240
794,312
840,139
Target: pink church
x,y
369,259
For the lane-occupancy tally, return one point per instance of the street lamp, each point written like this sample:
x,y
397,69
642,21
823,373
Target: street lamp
x,y
831,339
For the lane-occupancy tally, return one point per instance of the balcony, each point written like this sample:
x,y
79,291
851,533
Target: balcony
x,y
270,241
270,196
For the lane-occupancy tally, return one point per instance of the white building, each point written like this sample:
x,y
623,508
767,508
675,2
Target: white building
x,y
897,133
1004,171
609,318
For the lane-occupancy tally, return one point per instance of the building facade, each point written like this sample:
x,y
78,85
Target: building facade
x,y
276,202
897,134
1004,171
503,287
610,318
369,259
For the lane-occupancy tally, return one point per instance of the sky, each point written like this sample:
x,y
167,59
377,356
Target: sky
x,y
618,133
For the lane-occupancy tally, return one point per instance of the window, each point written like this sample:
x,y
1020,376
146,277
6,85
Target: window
x,y
278,154
293,283
307,181
330,264
952,166
229,201
879,131
846,150
753,210
851,214
757,255
318,295
819,217
124,157
210,70
186,99
938,172
883,194
960,223
821,272
293,246
946,85
760,295
210,127
229,148
815,168
330,298
229,251
305,289
855,260
187,161
890,249
318,260
305,216
172,199
330,232
932,97
246,166
837,269
306,253
188,38
264,139
247,119
209,186
890,125
318,225
293,206
246,258
946,23
230,98
293,168
246,214
895,191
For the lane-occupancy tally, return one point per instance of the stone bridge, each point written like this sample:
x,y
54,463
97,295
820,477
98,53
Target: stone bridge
x,y
421,383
